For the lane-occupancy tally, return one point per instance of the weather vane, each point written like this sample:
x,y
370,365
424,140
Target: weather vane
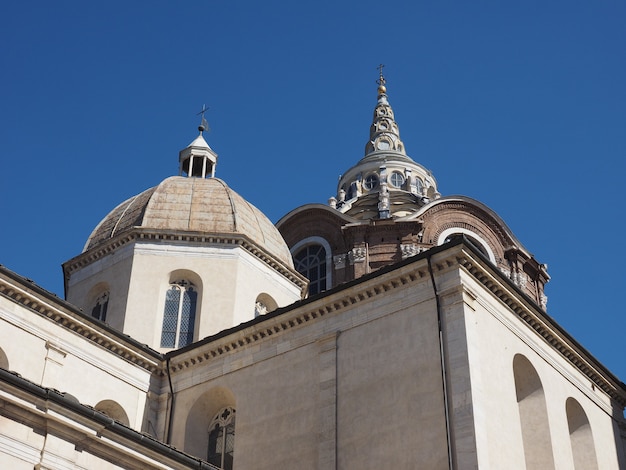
x,y
204,125
381,78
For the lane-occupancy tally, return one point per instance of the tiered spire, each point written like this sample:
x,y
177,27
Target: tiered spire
x,y
386,182
384,131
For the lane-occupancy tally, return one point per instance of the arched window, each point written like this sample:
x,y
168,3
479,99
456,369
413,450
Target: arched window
x,y
179,316
99,310
533,415
310,261
581,438
479,246
202,416
419,186
475,239
222,439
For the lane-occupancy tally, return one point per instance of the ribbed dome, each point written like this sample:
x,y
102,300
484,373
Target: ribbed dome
x,y
204,205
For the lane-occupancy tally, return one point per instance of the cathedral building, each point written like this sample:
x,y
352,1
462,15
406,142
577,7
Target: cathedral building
x,y
394,327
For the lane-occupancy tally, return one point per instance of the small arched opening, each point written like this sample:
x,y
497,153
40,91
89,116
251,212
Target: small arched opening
x,y
533,415
581,437
210,426
113,410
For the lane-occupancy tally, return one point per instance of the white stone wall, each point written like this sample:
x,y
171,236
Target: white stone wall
x,y
54,357
360,387
352,379
495,335
114,271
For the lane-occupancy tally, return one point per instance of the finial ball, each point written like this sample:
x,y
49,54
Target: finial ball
x,y
382,89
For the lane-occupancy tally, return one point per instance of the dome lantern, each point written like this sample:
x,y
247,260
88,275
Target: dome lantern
x,y
198,159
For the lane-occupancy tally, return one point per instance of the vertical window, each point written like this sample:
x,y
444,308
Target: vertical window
x,y
222,439
99,311
419,186
179,316
310,261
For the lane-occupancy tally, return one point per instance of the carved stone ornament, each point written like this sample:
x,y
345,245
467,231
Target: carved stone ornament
x,y
519,279
259,309
339,261
356,255
408,250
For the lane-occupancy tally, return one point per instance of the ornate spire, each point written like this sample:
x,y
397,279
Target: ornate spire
x,y
386,182
384,132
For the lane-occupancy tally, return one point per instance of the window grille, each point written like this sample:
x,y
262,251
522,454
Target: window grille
x,y
310,261
99,311
179,315
222,439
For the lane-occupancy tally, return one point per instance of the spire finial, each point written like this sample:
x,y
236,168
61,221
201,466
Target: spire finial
x,y
204,125
381,80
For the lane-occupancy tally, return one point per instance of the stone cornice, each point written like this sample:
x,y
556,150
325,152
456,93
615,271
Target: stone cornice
x,y
283,320
142,234
413,270
15,288
532,315
47,410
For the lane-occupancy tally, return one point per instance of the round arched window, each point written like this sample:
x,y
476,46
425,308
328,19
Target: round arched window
x,y
371,181
396,179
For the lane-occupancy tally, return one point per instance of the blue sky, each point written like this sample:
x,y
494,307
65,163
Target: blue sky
x,y
521,105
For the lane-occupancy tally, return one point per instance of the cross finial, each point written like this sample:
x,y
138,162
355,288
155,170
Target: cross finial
x,y
381,78
204,125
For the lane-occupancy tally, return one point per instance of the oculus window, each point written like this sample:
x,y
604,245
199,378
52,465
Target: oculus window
x,y
396,179
371,181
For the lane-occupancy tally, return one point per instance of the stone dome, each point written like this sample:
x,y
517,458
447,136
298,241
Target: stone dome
x,y
198,205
